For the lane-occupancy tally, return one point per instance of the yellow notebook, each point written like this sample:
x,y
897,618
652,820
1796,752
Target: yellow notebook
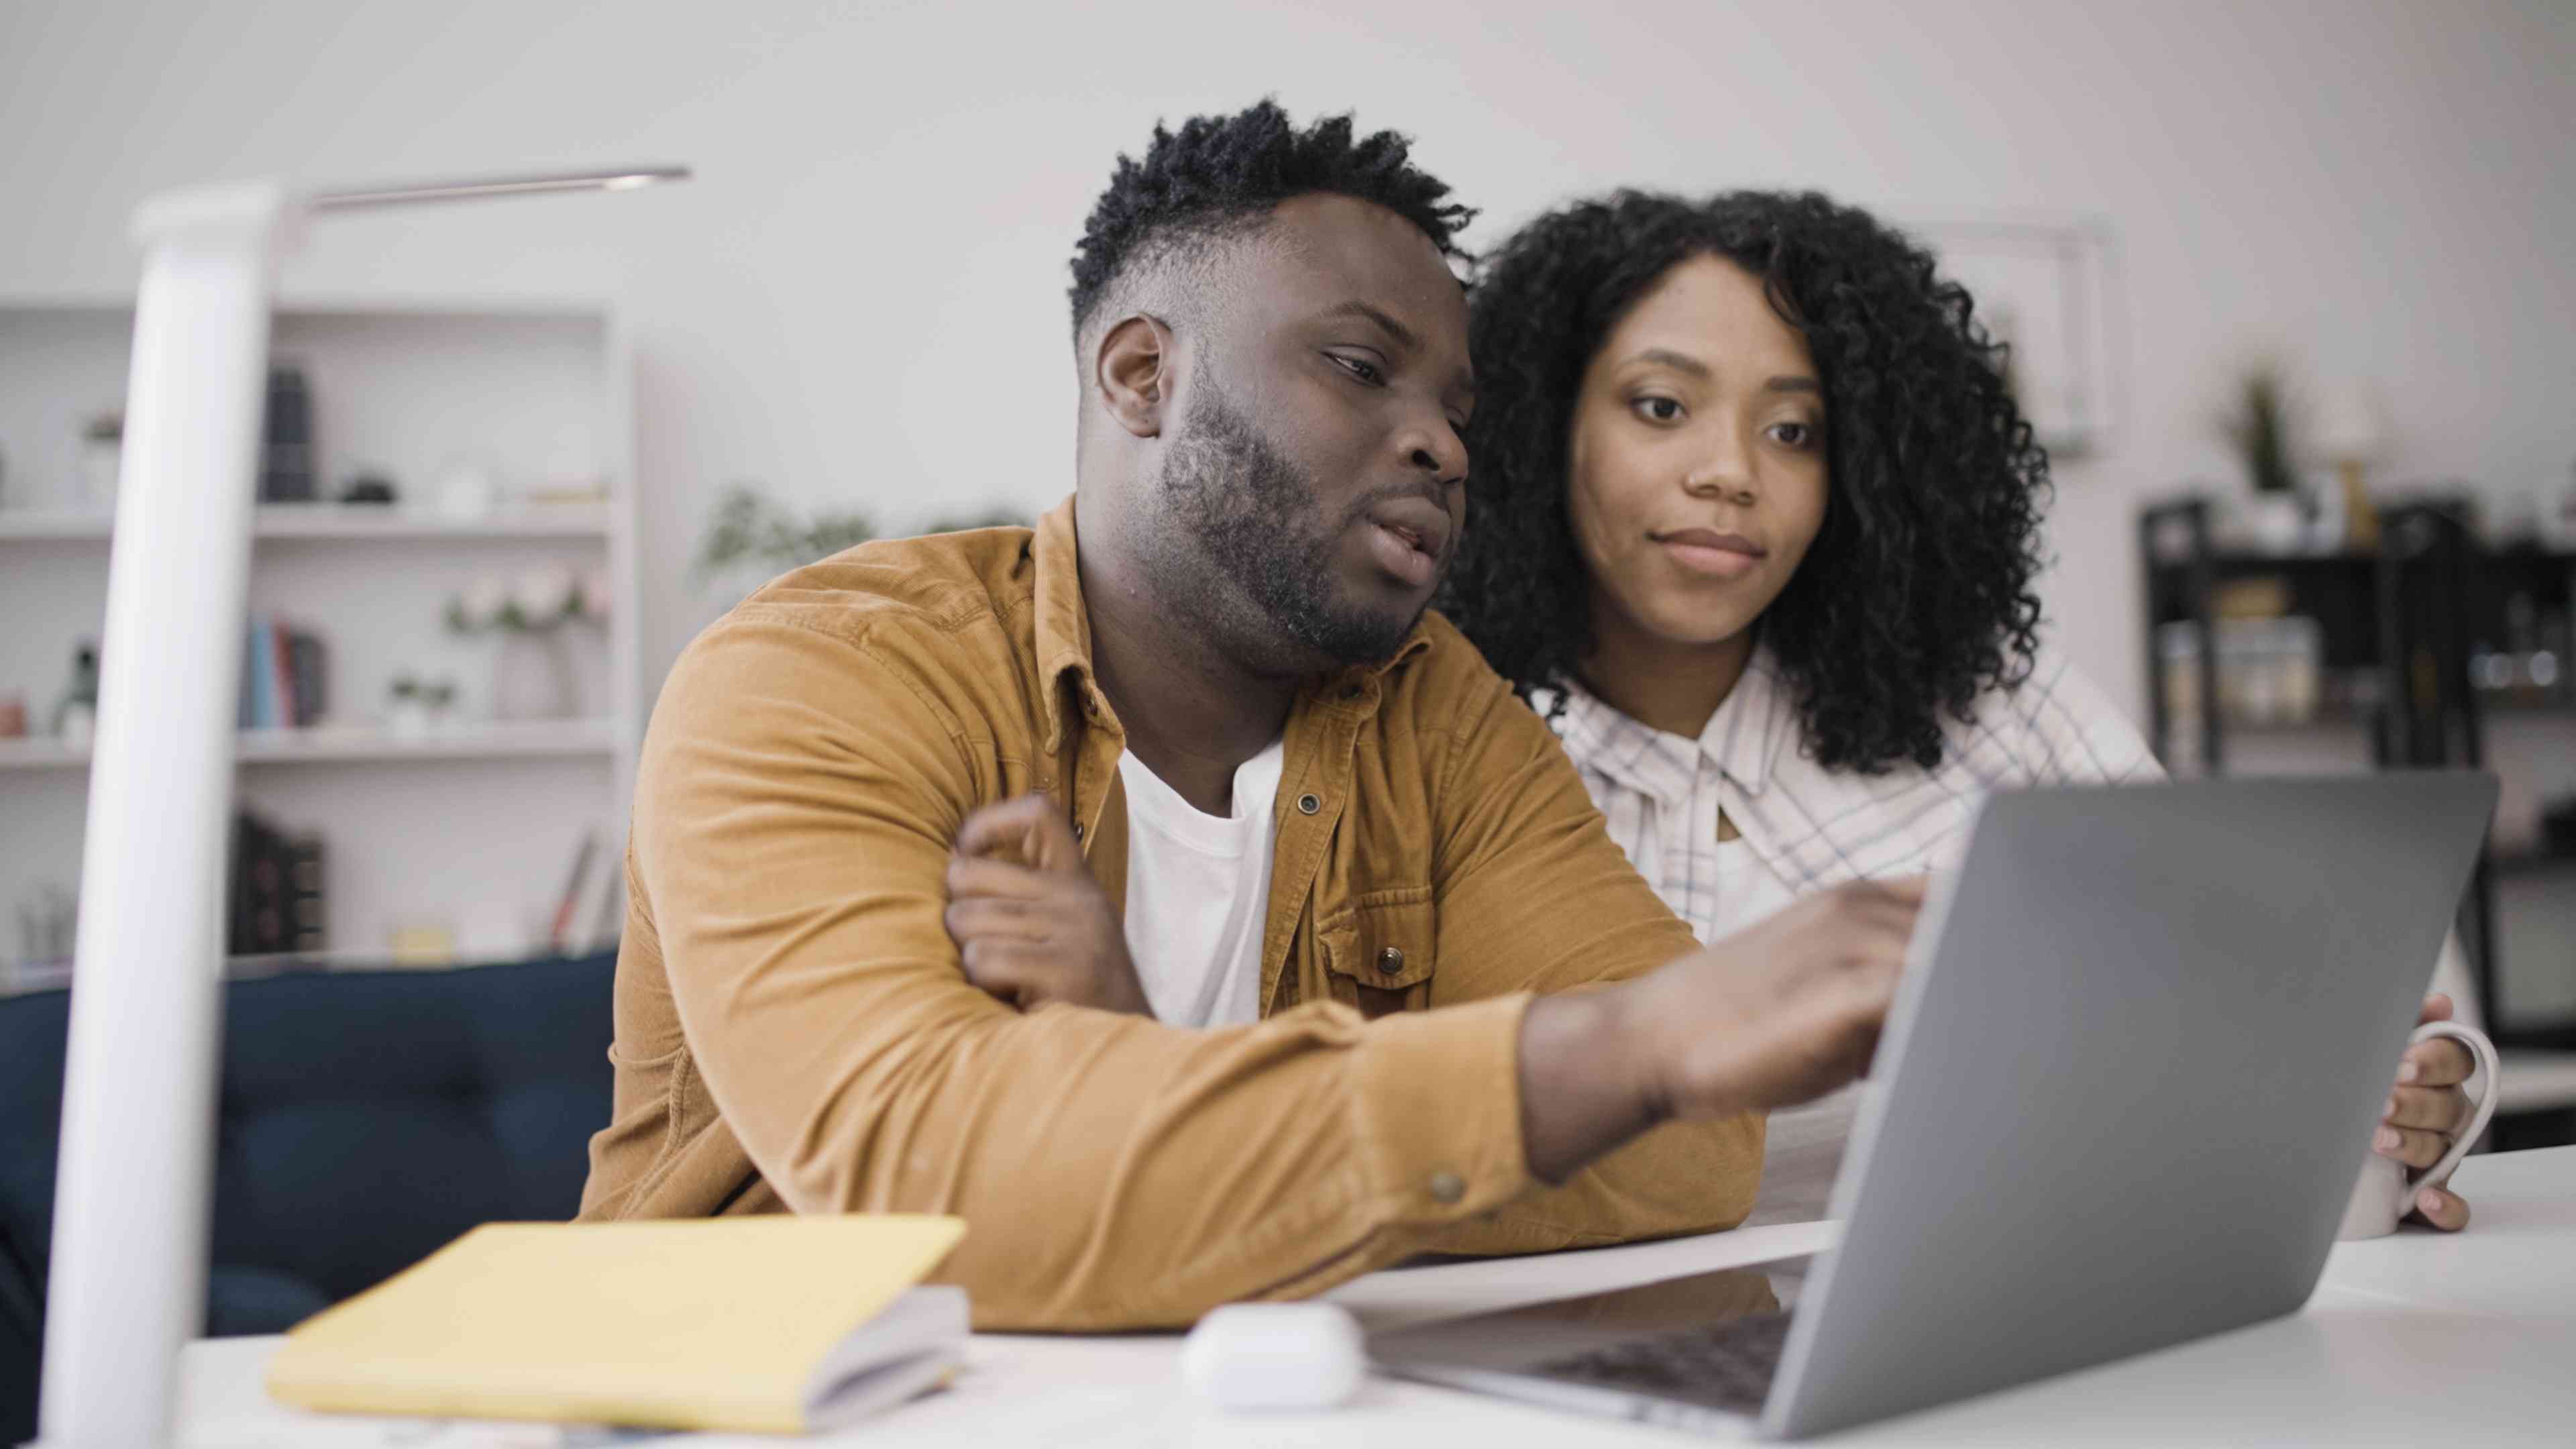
x,y
771,1323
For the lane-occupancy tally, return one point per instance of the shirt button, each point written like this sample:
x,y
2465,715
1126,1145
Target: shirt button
x,y
1077,830
1308,804
1390,961
1447,1187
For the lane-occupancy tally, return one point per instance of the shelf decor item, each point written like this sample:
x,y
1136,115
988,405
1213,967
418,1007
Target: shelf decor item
x,y
370,487
47,919
466,488
2558,525
102,453
2262,423
76,713
532,674
2352,434
417,707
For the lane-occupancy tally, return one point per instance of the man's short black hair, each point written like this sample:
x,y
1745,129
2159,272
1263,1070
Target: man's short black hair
x,y
1220,176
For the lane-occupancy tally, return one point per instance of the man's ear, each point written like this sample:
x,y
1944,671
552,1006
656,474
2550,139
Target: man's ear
x,y
1133,369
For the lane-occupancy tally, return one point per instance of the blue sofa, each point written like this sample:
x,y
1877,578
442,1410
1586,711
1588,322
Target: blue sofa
x,y
367,1117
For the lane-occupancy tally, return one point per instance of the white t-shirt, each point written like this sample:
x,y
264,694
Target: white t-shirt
x,y
1198,893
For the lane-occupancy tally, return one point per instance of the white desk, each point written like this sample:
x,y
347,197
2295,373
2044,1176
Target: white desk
x,y
2492,1312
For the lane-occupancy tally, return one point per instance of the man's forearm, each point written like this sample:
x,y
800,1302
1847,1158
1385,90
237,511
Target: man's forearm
x,y
1584,1088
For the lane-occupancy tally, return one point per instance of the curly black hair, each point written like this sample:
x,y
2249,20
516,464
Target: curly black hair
x,y
1915,596
1219,176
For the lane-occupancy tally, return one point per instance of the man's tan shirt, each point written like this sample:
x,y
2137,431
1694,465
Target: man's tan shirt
x,y
794,1031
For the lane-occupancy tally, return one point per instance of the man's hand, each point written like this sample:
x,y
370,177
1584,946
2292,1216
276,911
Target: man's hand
x,y
1032,924
1779,1013
2426,1112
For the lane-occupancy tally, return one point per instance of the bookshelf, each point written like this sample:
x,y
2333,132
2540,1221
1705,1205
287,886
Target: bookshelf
x,y
335,521
471,824
363,744
2409,618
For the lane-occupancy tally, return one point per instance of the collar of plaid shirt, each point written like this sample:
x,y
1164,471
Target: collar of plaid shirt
x,y
1816,827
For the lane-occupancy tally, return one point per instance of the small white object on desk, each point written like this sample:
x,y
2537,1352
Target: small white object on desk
x,y
1275,1356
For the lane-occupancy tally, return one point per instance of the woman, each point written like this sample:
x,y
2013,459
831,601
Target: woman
x,y
1754,521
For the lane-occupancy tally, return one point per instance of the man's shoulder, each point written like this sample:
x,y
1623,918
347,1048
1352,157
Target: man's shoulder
x,y
944,621
1456,709
942,583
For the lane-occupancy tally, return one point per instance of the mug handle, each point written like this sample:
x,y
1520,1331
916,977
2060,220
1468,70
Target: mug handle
x,y
2488,1066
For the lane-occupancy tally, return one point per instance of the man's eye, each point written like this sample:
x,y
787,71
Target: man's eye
x,y
1658,409
1360,368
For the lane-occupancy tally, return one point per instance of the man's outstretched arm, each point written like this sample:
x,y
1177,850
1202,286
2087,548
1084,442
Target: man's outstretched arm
x,y
795,810
1534,896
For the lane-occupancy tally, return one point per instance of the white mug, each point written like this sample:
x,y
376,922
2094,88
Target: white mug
x,y
2386,1191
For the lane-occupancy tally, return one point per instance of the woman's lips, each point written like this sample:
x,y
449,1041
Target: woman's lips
x,y
1706,551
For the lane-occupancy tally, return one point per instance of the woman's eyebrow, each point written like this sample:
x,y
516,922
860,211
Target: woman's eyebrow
x,y
1677,361
1684,362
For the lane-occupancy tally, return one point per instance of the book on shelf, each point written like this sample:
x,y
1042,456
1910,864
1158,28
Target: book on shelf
x,y
276,891
559,936
608,916
305,666
590,913
307,927
286,439
285,677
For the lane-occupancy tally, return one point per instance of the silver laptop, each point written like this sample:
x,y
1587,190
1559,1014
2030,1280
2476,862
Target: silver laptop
x,y
2143,1039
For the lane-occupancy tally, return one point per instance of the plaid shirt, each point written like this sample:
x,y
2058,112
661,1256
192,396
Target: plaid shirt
x,y
1804,827
1811,827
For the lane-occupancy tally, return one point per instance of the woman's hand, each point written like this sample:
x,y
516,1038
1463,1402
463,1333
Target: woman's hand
x,y
1033,926
2426,1112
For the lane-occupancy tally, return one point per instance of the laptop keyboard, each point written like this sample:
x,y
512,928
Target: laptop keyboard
x,y
1724,1366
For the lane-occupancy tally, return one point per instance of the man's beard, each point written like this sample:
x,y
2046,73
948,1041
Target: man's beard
x,y
1254,556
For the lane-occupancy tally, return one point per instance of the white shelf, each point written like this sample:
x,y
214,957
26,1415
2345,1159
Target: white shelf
x,y
340,521
42,754
528,389
20,978
361,744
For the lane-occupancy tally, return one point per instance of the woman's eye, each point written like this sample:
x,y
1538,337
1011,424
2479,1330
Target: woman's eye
x,y
1658,409
1360,368
1794,435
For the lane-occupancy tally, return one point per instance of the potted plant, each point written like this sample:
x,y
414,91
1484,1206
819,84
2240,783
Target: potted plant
x,y
532,675
2263,423
102,454
752,538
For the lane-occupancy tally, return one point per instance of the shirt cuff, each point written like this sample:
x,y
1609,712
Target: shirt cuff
x,y
1439,1108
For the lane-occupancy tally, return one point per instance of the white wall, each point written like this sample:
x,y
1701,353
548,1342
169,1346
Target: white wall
x,y
861,301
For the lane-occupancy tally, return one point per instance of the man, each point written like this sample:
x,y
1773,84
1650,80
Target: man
x,y
1373,1050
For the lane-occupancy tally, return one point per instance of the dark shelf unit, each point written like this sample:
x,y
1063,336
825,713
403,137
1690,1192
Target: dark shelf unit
x,y
2407,615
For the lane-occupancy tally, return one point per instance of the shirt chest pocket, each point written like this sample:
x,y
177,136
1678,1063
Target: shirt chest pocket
x,y
1377,951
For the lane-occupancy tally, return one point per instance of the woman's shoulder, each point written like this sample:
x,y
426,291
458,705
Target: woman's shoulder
x,y
2054,726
